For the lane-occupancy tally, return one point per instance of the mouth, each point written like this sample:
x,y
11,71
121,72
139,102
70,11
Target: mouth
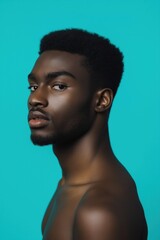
x,y
37,119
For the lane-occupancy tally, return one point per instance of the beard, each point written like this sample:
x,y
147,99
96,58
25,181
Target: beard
x,y
41,140
64,133
62,138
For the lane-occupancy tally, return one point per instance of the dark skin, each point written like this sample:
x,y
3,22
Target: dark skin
x,y
96,198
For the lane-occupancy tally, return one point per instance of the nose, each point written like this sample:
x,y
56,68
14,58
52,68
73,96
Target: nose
x,y
38,98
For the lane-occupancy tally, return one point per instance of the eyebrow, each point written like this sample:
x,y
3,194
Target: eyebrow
x,y
52,75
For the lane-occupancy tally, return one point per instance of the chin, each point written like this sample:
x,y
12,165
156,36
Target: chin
x,y
41,141
62,138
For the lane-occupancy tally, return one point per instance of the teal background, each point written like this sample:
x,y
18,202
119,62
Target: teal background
x,y
28,174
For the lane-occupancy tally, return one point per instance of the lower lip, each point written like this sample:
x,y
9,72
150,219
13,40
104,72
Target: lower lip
x,y
38,123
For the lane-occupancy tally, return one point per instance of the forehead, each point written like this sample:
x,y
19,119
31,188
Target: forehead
x,y
53,61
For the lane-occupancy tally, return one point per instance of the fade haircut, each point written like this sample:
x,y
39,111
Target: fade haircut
x,y
103,59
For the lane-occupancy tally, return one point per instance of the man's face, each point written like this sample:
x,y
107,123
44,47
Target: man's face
x,y
61,100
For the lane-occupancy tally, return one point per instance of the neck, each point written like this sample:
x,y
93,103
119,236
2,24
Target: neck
x,y
83,161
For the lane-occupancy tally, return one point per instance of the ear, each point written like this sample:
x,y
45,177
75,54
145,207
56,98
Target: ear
x,y
104,99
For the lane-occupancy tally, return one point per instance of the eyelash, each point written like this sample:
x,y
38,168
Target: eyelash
x,y
33,88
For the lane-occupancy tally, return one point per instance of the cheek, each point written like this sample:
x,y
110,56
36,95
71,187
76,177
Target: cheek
x,y
69,110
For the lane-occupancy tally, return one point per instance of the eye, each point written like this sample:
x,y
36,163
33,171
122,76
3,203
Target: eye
x,y
59,87
33,88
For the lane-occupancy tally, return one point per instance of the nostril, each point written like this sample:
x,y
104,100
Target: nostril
x,y
38,101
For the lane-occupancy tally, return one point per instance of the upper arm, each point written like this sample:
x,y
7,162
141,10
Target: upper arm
x,y
47,213
97,223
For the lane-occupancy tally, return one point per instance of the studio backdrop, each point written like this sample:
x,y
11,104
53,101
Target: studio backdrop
x,y
28,174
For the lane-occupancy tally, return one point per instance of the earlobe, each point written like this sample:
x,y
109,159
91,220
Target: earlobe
x,y
104,100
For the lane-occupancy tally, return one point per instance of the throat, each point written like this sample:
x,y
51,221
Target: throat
x,y
82,162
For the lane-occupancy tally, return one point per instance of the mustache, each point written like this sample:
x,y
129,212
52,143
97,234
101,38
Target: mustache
x,y
38,112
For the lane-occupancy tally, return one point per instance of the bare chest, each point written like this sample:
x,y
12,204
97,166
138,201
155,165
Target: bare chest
x,y
59,219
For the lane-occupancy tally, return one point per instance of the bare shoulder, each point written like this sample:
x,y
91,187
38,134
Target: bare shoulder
x,y
102,215
95,220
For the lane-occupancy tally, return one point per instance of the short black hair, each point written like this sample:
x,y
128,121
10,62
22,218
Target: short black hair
x,y
103,59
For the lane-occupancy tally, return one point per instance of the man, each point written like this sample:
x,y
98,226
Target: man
x,y
73,83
